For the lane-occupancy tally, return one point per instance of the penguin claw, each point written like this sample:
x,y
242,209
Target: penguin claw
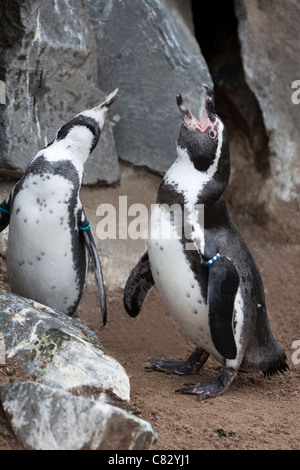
x,y
202,390
210,389
191,366
167,366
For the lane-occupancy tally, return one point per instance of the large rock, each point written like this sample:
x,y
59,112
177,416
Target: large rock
x,y
54,68
148,49
60,350
78,399
49,66
269,37
46,419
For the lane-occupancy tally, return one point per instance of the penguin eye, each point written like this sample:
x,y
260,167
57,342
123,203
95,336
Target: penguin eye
x,y
213,134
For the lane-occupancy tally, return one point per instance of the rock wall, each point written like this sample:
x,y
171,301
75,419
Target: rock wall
x,y
54,65
76,396
148,49
49,66
60,57
269,37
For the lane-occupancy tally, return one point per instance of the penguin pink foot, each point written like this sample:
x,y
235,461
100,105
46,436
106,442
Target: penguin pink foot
x,y
191,366
210,389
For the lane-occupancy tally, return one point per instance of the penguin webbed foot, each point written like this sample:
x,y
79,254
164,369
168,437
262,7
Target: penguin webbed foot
x,y
191,366
210,389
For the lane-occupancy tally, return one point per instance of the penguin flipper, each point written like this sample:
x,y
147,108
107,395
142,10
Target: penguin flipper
x,y
91,247
223,283
138,284
4,213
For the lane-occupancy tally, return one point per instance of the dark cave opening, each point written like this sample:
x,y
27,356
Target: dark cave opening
x,y
216,30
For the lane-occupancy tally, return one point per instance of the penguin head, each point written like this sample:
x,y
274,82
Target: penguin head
x,y
205,142
81,135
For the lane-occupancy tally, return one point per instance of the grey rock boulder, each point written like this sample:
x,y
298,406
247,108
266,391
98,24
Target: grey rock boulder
x,y
60,350
49,66
80,396
269,36
148,47
46,419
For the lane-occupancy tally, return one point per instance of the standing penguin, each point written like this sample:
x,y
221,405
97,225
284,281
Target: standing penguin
x,y
50,240
204,272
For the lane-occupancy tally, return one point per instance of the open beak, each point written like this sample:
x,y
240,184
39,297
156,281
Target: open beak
x,y
209,108
190,121
185,112
207,116
108,101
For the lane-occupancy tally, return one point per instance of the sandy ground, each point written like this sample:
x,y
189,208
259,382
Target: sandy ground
x,y
256,412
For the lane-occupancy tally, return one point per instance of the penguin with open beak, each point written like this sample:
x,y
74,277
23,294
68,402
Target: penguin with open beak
x,y
201,266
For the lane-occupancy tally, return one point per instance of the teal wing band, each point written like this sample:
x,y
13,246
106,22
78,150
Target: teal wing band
x,y
87,227
6,211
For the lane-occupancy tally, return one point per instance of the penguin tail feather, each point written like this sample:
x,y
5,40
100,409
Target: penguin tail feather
x,y
269,358
276,368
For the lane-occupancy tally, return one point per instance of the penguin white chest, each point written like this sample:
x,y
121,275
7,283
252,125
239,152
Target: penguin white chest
x,y
40,261
176,282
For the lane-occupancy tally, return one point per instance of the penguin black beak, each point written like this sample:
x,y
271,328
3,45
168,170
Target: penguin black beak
x,y
183,108
189,120
208,116
209,108
108,101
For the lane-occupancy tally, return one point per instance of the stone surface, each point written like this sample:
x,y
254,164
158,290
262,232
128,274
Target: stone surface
x,y
149,51
54,68
46,419
78,398
49,66
2,349
61,351
269,37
